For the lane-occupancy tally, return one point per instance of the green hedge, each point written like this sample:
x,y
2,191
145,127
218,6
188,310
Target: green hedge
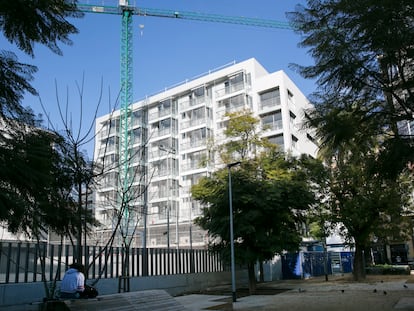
x,y
388,269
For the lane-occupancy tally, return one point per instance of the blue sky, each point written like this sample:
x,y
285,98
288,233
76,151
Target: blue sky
x,y
165,52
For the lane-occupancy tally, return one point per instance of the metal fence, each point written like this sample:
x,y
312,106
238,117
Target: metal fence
x,y
22,262
309,264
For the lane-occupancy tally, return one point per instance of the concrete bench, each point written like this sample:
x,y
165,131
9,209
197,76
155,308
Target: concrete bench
x,y
150,300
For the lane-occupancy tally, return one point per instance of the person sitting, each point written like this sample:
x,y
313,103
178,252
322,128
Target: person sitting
x,y
73,282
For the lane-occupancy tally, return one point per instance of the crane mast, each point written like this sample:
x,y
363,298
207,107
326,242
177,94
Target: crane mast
x,y
127,11
125,114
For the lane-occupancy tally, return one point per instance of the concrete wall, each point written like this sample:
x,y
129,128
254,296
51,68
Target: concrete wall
x,y
25,293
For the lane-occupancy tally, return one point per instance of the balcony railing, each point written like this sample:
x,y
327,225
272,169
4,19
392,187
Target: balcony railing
x,y
230,89
193,102
191,166
274,126
270,103
193,122
194,144
160,114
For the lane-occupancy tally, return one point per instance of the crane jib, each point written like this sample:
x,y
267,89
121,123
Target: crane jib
x,y
240,20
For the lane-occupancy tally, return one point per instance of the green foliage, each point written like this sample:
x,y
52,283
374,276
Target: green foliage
x,y
244,134
359,48
388,270
363,54
271,194
36,176
266,210
14,82
40,172
26,23
34,191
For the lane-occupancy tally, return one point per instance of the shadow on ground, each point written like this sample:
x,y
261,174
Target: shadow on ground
x,y
262,289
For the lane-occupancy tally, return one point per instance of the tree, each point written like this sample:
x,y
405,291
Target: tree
x,y
36,179
266,211
36,189
270,197
361,49
34,184
25,23
363,53
365,201
244,135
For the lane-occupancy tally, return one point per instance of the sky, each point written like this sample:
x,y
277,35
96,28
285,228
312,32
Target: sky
x,y
165,52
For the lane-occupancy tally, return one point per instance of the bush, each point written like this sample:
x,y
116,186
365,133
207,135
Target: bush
x,y
388,269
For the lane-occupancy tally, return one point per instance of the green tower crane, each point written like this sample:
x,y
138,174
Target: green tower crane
x,y
126,10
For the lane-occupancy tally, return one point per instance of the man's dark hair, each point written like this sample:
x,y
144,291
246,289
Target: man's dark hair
x,y
78,267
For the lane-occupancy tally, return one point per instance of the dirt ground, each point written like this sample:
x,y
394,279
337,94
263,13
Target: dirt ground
x,y
379,292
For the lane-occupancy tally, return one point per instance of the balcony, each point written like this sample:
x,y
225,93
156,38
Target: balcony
x,y
194,144
229,89
161,132
193,122
159,114
270,103
273,126
193,102
195,165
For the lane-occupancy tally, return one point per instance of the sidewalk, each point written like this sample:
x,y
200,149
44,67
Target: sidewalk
x,y
339,294
377,293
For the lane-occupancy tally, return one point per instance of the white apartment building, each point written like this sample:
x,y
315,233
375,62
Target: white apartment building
x,y
170,135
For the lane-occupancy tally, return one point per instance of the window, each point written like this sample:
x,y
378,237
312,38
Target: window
x,y
110,159
290,97
233,102
232,84
277,140
310,137
165,105
236,78
137,132
272,121
137,114
294,141
110,179
270,98
292,117
199,92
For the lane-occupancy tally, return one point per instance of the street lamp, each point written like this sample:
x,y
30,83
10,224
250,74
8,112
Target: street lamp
x,y
169,151
233,276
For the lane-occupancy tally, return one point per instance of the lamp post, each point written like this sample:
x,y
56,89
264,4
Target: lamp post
x,y
170,151
233,272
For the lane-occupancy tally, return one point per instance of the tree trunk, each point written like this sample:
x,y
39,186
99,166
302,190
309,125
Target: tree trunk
x,y
359,263
261,280
124,284
252,278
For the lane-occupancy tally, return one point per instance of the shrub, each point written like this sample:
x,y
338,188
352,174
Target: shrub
x,y
388,269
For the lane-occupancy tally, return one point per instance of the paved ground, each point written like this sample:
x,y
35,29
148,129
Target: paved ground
x,y
339,293
377,293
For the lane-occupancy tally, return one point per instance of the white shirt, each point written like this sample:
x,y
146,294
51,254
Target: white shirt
x,y
73,281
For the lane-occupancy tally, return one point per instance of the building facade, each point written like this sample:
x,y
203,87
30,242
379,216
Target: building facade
x,y
169,137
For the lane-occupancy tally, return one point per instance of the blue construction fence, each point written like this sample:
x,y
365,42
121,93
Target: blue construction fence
x,y
310,264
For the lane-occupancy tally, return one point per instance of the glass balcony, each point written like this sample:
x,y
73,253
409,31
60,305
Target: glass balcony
x,y
229,89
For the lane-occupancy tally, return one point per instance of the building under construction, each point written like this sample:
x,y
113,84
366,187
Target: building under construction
x,y
150,166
